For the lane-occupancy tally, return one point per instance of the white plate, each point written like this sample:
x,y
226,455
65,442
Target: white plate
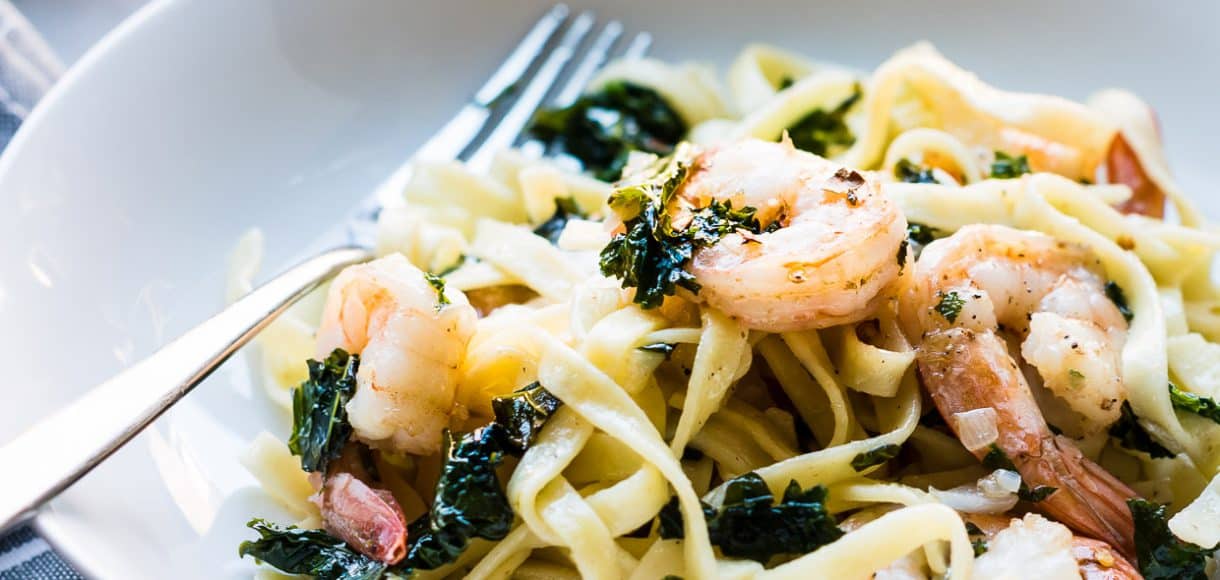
x,y
198,119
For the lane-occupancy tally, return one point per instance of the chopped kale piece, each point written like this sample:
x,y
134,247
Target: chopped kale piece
x,y
1116,295
875,456
314,552
603,127
950,306
1006,166
1161,555
823,132
1205,407
1132,435
320,427
565,209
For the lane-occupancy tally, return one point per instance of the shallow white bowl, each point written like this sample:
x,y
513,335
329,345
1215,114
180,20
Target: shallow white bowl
x,y
199,119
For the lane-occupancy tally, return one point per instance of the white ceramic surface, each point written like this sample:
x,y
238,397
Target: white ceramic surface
x,y
198,119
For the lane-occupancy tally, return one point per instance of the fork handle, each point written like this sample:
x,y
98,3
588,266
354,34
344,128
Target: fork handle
x,y
60,449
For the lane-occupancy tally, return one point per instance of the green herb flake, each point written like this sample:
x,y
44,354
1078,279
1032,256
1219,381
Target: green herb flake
x,y
297,551
1006,166
1116,295
978,540
752,525
1075,378
875,456
1161,555
1205,407
950,306
997,459
823,132
909,172
565,210
1130,434
650,255
602,128
438,284
320,427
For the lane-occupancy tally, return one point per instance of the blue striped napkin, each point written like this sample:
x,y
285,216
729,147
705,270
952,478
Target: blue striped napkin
x,y
28,68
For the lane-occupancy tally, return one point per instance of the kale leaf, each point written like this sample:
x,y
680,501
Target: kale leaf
x,y
650,254
565,209
997,459
950,306
602,128
523,413
909,172
751,525
1131,434
470,501
1116,295
1161,555
1006,166
1036,494
1205,407
875,456
315,552
319,417
823,132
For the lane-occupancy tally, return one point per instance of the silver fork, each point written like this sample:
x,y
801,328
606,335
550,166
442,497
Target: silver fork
x,y
552,64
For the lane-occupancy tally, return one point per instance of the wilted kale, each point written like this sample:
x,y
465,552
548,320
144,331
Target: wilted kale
x,y
523,413
470,502
1161,555
751,525
1116,295
997,459
650,255
875,456
565,209
602,128
1036,494
314,552
823,132
1205,407
909,172
950,305
1006,166
319,417
1131,434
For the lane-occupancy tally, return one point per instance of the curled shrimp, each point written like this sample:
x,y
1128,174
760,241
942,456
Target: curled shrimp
x,y
833,253
410,345
963,291
1123,166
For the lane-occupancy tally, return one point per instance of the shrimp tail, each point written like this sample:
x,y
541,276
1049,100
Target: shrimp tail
x,y
967,370
368,519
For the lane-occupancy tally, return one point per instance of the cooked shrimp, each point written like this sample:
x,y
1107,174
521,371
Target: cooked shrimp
x,y
1123,166
834,252
1048,293
1095,560
410,346
962,290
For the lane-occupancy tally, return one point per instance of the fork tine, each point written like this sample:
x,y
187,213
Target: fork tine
x,y
531,96
460,132
587,67
639,46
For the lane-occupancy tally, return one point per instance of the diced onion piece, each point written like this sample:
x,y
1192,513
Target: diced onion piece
x,y
976,428
968,499
1001,483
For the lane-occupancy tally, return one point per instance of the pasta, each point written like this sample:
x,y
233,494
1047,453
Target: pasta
x,y
798,344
